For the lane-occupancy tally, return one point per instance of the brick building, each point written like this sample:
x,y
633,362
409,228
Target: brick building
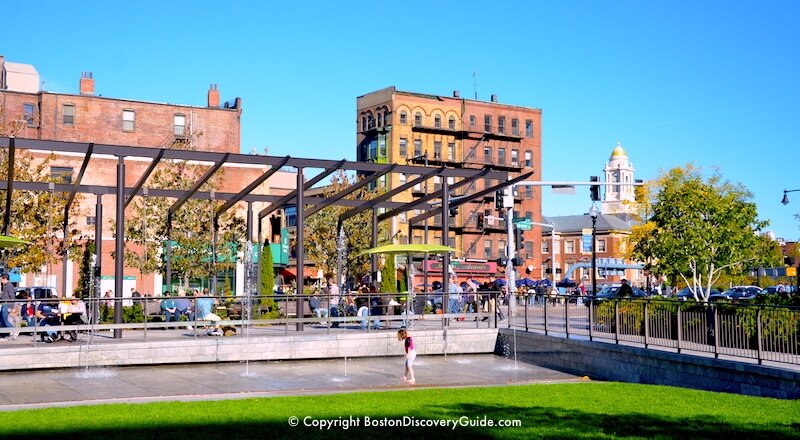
x,y
394,126
91,117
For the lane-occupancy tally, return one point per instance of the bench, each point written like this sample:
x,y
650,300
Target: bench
x,y
288,308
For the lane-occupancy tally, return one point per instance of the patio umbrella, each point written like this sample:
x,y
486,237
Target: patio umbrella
x,y
9,242
566,282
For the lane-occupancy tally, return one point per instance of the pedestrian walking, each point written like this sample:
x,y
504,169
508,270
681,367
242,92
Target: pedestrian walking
x,y
411,354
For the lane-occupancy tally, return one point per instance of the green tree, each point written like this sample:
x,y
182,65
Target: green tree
x,y
192,230
267,271
389,275
85,287
697,228
321,238
37,217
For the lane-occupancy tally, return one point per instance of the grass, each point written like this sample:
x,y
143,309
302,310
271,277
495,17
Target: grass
x,y
556,411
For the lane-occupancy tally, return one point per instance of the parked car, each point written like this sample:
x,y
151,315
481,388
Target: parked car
x,y
738,293
686,294
611,293
38,292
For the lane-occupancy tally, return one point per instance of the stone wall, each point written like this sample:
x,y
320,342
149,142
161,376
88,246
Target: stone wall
x,y
233,349
623,363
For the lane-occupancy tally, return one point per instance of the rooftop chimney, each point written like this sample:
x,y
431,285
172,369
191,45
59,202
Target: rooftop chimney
x,y
87,83
456,94
494,98
213,96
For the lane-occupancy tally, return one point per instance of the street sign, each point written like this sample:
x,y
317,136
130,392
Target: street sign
x,y
524,226
521,220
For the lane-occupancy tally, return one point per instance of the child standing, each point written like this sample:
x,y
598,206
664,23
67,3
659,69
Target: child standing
x,y
411,354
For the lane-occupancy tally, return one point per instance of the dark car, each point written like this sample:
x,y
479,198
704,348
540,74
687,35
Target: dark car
x,y
687,295
611,293
38,292
737,293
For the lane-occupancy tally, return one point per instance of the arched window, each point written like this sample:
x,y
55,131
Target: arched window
x,y
386,120
437,121
451,123
403,117
378,117
363,122
417,118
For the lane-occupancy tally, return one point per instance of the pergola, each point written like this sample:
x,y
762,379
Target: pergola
x,y
433,204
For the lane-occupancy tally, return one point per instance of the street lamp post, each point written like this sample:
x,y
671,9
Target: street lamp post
x,y
785,200
593,213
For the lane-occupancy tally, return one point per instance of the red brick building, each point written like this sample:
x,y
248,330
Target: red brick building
x,y
91,117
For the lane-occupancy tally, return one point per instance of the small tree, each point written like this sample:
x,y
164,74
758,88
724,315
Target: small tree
x,y
389,275
267,271
86,275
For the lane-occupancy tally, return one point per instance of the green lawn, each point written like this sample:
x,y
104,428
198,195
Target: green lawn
x,y
572,410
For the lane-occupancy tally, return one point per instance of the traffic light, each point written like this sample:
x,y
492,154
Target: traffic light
x,y
518,239
594,190
517,261
498,199
480,221
454,211
501,261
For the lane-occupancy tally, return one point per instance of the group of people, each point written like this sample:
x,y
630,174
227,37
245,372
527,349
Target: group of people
x,y
19,308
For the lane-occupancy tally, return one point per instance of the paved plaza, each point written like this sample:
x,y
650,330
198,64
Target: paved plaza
x,y
46,388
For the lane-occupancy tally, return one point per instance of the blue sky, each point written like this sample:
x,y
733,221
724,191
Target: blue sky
x,y
713,83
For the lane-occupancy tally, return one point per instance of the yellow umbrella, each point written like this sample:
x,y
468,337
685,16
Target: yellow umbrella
x,y
9,242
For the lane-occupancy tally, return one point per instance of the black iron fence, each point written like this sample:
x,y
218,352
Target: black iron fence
x,y
761,332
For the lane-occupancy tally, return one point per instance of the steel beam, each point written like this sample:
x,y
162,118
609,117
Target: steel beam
x,y
144,177
285,199
330,200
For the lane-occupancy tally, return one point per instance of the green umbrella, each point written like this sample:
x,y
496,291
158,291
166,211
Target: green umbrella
x,y
409,249
9,242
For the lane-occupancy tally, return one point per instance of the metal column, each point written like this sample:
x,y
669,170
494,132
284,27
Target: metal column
x,y
300,236
119,261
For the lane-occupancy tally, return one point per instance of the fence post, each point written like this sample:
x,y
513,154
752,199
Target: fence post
x,y
526,311
716,332
591,318
616,321
566,315
759,334
680,326
545,316
646,323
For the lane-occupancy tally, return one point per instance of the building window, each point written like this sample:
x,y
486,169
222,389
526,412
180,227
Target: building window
x,y
487,154
402,217
501,156
403,118
179,124
529,192
61,174
501,124
528,215
27,114
528,249
68,115
437,150
451,151
451,123
514,158
417,119
501,248
403,147
91,220
487,123
128,120
417,147
401,178
437,121
529,128
382,146
515,127
601,245
472,121
545,247
386,118
487,248
528,159
569,247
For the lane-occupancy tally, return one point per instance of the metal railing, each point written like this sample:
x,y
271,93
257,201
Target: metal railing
x,y
760,332
254,315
